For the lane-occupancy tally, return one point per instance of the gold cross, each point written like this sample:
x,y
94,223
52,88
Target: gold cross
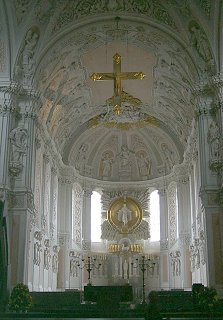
x,y
117,76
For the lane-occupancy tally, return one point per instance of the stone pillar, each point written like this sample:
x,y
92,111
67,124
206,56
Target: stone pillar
x,y
53,204
184,227
86,220
18,164
210,156
164,256
64,230
6,113
218,83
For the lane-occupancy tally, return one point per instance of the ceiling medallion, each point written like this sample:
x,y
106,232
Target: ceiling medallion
x,y
125,214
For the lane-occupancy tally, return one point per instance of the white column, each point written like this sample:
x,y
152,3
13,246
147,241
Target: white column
x,y
19,179
64,230
86,220
210,165
184,227
164,256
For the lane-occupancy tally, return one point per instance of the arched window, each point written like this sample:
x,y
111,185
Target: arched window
x,y
95,217
154,216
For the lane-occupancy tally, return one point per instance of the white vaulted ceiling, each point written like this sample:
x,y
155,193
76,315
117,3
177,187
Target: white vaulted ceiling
x,y
77,38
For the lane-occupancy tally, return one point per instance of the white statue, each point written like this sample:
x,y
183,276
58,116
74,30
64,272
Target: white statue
x,y
116,268
144,164
28,52
106,165
37,252
213,138
81,156
125,214
18,139
55,263
169,156
125,269
47,257
124,158
73,268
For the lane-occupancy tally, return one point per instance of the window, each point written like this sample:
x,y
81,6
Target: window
x,y
154,216
95,217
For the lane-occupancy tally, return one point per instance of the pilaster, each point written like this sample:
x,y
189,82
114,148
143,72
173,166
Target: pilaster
x,y
210,140
184,227
64,229
164,246
86,219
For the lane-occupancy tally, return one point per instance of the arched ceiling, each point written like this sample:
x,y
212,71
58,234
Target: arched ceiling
x,y
78,38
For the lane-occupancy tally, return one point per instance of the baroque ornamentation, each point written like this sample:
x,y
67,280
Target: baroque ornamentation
x,y
86,244
172,213
185,239
77,200
76,10
22,8
164,243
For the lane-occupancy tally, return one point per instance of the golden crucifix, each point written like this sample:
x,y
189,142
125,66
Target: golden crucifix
x,y
117,76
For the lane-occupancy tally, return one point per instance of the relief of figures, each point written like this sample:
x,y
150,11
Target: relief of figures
x,y
144,164
125,163
106,164
168,156
81,156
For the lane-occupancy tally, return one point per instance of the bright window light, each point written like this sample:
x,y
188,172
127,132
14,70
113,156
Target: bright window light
x,y
154,216
95,217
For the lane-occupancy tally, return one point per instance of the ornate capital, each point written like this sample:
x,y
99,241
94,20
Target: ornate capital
x,y
164,243
38,236
218,80
56,249
86,244
63,239
65,180
54,170
46,157
87,192
185,239
162,192
211,198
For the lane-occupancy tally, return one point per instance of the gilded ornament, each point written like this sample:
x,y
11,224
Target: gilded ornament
x,y
117,76
125,214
